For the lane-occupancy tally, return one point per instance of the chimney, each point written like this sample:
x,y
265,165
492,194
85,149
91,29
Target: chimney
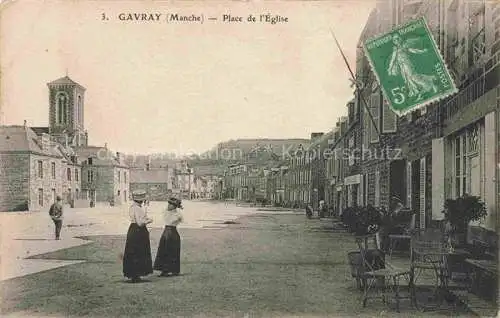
x,y
118,157
106,145
44,141
25,123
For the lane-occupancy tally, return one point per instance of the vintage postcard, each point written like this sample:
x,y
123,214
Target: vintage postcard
x,y
334,158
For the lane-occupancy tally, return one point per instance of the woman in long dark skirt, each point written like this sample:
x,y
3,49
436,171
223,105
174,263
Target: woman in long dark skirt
x,y
169,250
137,260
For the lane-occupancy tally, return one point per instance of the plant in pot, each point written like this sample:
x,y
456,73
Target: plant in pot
x,y
369,220
459,213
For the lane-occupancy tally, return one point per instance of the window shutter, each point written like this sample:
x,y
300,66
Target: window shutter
x,y
438,178
366,189
360,191
389,119
409,189
422,192
366,129
375,110
377,188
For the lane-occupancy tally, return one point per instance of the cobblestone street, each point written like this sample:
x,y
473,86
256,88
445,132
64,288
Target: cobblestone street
x,y
266,264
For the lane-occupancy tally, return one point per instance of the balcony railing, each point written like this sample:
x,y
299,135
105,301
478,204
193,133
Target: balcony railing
x,y
466,96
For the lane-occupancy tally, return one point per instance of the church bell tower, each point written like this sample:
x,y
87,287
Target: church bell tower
x,y
66,114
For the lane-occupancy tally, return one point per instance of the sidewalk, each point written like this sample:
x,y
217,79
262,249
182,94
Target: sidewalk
x,y
26,234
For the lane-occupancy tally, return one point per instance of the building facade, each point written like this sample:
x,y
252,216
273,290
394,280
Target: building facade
x,y
443,151
158,183
298,177
105,177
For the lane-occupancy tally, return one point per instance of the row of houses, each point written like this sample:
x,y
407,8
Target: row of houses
x,y
445,150
37,164
165,178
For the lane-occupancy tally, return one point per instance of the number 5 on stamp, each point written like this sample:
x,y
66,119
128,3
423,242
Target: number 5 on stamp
x,y
409,67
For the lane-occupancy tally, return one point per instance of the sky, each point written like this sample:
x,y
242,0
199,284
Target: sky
x,y
182,87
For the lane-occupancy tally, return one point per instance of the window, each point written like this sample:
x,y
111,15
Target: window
x,y
374,109
125,177
53,196
89,161
352,159
377,189
90,176
77,176
68,174
53,169
119,176
62,108
40,168
466,148
77,194
389,118
40,197
125,195
79,110
366,130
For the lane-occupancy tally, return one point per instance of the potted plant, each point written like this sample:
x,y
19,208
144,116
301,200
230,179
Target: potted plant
x,y
460,212
369,220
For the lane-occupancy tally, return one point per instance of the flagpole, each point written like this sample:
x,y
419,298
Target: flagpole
x,y
354,79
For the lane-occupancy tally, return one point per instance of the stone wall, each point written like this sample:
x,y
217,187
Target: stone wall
x,y
14,182
50,186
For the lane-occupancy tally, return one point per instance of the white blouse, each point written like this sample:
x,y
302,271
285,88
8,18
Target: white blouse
x,y
172,218
138,214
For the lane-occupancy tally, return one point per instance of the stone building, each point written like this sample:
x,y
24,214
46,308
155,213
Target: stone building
x,y
236,182
319,151
105,176
467,148
445,150
298,177
334,179
31,169
66,112
158,183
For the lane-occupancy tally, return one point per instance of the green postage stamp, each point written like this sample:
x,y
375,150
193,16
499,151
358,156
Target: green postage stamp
x,y
409,67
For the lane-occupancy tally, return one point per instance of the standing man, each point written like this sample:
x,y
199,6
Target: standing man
x,y
56,213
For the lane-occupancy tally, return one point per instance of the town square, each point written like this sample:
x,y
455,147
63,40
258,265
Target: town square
x,y
307,159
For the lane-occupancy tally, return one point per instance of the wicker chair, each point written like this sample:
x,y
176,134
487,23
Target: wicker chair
x,y
378,275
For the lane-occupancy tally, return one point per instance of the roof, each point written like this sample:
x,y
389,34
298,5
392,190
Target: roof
x,y
22,138
101,156
323,140
149,176
40,130
65,81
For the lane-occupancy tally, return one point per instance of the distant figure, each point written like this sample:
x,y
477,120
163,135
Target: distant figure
x,y
169,250
309,211
137,260
56,213
321,209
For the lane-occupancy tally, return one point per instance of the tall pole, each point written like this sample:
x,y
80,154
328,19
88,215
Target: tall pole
x,y
356,82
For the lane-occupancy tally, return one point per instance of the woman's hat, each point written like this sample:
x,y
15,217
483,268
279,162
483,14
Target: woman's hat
x,y
175,202
139,195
